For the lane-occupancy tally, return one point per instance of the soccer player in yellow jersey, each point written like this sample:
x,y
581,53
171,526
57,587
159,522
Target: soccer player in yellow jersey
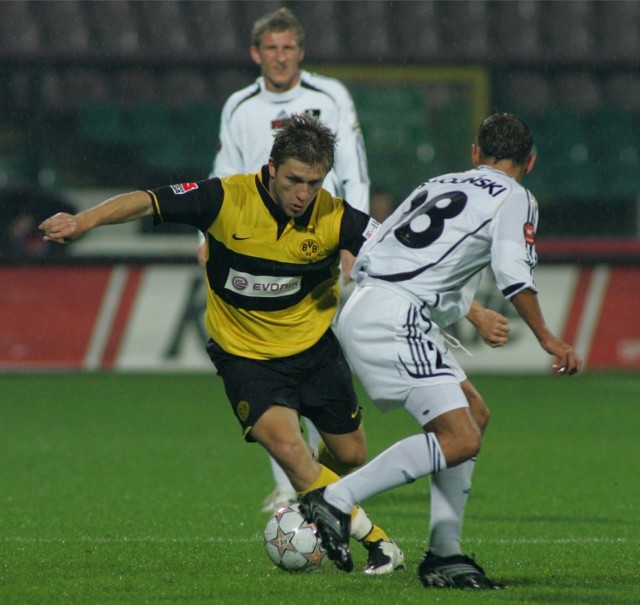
x,y
275,239
251,115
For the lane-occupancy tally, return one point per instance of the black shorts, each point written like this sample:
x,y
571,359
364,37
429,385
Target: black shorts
x,y
317,383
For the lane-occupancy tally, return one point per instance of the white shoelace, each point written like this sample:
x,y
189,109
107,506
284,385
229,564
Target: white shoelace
x,y
454,343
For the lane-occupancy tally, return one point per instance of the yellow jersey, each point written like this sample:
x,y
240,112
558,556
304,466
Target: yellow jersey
x,y
272,280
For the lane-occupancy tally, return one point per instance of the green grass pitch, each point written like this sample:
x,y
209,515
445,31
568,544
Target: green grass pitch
x,y
127,488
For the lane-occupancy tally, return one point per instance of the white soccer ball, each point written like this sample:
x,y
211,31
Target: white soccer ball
x,y
291,542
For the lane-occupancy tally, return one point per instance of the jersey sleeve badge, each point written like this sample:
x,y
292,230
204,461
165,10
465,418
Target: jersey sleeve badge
x,y
371,229
529,233
183,188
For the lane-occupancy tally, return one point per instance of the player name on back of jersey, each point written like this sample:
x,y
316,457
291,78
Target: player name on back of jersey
x,y
494,189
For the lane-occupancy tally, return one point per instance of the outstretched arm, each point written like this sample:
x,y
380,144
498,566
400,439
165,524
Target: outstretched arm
x,y
492,326
567,360
63,227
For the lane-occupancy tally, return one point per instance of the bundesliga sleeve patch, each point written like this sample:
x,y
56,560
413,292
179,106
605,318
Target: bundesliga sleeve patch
x,y
372,227
183,188
529,234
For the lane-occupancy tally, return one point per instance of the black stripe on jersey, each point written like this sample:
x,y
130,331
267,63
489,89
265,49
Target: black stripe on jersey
x,y
395,277
308,86
513,290
250,95
311,274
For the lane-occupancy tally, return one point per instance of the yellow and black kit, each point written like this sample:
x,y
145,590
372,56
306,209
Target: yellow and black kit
x,y
272,280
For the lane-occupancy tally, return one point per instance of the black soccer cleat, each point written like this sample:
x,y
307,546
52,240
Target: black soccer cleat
x,y
457,571
333,525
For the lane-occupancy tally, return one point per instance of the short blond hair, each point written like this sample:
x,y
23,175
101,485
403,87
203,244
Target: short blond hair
x,y
277,21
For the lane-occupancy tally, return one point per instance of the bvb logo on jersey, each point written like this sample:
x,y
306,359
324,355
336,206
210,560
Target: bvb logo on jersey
x,y
243,410
309,248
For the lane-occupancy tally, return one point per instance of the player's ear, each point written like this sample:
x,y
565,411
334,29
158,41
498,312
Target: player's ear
x,y
476,156
255,54
530,163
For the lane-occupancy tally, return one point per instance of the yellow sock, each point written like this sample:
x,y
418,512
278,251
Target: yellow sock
x,y
376,533
360,521
363,529
325,477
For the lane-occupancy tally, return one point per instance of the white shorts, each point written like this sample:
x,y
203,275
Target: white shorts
x,y
399,354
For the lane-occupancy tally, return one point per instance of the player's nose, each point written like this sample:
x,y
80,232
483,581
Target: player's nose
x,y
304,193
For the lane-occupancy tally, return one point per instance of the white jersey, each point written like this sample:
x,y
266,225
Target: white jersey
x,y
251,115
436,243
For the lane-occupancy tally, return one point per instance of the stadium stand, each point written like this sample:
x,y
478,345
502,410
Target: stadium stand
x,y
215,30
65,90
623,90
324,17
516,27
166,30
369,36
181,87
569,30
466,26
615,138
417,26
114,75
20,34
116,29
617,31
593,31
66,30
101,123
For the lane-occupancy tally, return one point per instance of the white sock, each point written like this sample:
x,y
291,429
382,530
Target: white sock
x,y
449,493
402,463
282,481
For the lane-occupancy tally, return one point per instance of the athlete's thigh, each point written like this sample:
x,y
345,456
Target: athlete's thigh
x,y
253,386
327,396
430,402
394,346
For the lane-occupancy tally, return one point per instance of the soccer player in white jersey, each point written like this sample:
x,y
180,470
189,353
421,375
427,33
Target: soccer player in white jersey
x,y
250,115
249,119
415,277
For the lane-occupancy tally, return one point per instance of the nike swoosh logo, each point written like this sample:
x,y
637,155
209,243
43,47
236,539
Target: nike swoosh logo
x,y
234,236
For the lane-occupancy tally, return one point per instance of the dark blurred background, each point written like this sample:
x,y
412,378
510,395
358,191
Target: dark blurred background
x,y
119,95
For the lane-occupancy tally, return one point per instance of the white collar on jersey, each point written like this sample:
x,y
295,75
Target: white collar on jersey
x,y
281,97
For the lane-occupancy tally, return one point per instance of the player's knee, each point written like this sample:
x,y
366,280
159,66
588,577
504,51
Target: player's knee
x,y
286,449
473,445
460,445
349,451
352,459
339,464
477,407
462,452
